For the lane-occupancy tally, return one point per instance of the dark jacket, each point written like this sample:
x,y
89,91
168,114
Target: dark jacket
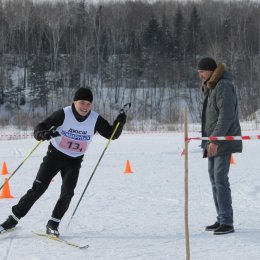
x,y
56,119
220,111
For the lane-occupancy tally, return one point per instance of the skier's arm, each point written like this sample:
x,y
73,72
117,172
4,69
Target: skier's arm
x,y
41,131
106,130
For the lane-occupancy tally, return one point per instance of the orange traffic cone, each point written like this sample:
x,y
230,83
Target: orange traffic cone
x,y
232,161
6,191
4,169
128,167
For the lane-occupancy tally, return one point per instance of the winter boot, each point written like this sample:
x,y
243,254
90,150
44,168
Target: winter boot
x,y
10,223
212,227
224,229
52,228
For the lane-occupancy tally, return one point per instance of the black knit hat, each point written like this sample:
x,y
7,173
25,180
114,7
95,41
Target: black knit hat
x,y
83,94
207,64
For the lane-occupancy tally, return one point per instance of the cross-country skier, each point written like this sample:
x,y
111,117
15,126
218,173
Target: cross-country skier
x,y
70,131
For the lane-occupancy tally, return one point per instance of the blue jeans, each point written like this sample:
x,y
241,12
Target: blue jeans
x,y
218,173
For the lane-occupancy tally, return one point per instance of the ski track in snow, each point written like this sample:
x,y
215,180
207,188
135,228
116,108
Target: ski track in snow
x,y
140,215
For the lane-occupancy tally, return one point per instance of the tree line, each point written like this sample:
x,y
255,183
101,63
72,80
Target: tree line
x,y
133,51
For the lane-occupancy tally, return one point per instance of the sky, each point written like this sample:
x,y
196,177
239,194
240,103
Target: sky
x,y
137,216
94,1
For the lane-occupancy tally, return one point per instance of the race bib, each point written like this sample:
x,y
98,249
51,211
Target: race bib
x,y
73,145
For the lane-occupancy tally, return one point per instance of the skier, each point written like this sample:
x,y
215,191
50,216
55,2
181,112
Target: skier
x,y
70,131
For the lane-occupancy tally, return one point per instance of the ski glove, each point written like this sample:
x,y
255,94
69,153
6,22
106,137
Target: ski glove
x,y
47,135
121,118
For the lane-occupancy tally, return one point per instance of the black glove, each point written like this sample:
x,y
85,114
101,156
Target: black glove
x,y
121,118
48,134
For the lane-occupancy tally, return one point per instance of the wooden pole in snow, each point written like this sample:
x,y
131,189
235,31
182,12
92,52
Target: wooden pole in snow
x,y
186,186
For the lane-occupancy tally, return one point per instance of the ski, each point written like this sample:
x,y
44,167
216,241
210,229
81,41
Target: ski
x,y
61,240
8,231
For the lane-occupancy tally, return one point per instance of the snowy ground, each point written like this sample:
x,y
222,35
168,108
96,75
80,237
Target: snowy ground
x,y
139,215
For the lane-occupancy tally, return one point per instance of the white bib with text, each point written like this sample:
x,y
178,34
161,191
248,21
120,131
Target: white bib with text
x,y
75,137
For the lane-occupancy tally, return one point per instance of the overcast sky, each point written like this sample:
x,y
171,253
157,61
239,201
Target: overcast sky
x,y
97,1
151,1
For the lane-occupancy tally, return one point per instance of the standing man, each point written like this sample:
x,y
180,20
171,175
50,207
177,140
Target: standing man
x,y
219,118
70,131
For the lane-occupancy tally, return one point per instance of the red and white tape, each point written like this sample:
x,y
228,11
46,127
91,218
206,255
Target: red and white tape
x,y
227,138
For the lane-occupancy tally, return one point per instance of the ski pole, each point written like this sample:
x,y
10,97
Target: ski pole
x,y
125,108
29,154
52,129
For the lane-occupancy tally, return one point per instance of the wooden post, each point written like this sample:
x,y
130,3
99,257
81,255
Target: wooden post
x,y
186,186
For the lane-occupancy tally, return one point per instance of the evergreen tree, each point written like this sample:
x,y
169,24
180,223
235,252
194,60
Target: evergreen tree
x,y
152,34
226,28
39,88
104,45
179,35
166,39
194,34
1,97
75,78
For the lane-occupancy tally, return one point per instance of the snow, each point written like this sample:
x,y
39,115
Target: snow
x,y
138,215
